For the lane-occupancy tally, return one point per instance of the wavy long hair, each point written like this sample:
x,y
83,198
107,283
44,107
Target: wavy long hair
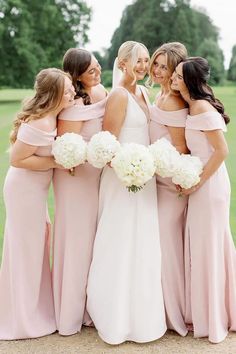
x,y
175,52
196,72
49,89
75,62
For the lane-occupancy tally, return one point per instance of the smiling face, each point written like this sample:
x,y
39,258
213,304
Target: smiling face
x,y
92,76
68,95
160,73
136,67
177,79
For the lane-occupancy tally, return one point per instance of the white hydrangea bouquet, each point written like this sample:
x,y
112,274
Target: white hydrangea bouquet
x,y
102,148
165,157
69,150
187,171
133,165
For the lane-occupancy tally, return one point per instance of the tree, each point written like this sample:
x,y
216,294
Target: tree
x,y
232,66
155,22
35,35
211,51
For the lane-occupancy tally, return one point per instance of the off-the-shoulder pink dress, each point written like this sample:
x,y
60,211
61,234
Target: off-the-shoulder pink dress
x,y
171,211
210,252
26,300
76,206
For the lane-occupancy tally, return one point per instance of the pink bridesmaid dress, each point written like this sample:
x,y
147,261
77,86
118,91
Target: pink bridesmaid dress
x,y
26,300
210,251
171,211
76,206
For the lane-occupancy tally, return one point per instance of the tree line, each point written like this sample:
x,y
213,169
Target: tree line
x,y
35,35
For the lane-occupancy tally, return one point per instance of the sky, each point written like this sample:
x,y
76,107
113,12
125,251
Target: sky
x,y
107,15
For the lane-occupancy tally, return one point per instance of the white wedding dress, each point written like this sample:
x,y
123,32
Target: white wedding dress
x,y
125,299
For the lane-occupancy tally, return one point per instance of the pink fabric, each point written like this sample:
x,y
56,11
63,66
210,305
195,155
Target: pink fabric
x,y
206,121
84,113
171,211
76,202
210,255
169,118
33,136
26,300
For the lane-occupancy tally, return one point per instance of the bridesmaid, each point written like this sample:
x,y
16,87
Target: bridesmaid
x,y
26,300
168,117
210,252
76,197
125,297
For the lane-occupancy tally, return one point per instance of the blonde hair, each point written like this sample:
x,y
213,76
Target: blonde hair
x,y
49,90
130,51
175,53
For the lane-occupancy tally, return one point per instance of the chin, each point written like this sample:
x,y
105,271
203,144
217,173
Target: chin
x,y
97,82
139,77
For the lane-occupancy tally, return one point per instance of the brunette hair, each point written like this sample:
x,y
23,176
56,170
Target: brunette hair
x,y
196,72
76,61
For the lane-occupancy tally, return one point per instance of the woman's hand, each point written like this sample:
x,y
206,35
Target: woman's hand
x,y
188,191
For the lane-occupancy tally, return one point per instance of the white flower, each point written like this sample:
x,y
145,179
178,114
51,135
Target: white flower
x,y
165,157
69,150
133,165
102,148
187,171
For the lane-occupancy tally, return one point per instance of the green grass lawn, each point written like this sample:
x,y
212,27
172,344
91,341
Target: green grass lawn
x,y
10,104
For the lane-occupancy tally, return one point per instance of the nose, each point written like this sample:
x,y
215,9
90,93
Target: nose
x,y
173,76
99,69
144,65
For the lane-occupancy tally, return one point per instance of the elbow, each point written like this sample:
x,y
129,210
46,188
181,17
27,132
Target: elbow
x,y
224,152
14,162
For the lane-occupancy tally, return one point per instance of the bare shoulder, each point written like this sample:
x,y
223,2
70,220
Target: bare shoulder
x,y
78,102
100,91
119,95
201,106
171,102
176,103
47,124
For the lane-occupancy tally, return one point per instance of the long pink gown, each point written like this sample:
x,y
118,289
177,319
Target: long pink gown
x,y
26,300
210,252
171,211
76,206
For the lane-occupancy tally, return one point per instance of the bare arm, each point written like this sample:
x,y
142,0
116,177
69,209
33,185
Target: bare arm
x,y
115,111
67,126
217,140
178,139
22,156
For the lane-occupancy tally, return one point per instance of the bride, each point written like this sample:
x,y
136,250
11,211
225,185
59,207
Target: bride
x,y
125,298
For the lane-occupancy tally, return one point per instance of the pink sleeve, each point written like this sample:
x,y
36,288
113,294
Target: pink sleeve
x,y
206,121
78,113
169,118
33,136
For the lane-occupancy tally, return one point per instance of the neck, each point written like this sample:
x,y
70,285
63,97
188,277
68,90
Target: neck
x,y
186,97
165,89
88,90
129,83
